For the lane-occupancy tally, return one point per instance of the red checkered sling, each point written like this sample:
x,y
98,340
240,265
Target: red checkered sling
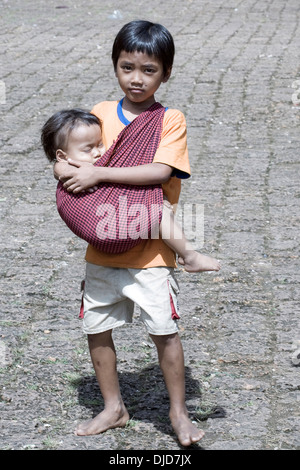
x,y
117,217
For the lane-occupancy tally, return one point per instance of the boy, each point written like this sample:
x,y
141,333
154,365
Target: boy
x,y
143,56
76,134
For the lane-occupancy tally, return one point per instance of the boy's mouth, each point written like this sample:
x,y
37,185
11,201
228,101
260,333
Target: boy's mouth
x,y
136,90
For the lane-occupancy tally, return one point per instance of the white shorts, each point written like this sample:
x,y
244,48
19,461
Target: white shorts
x,y
110,294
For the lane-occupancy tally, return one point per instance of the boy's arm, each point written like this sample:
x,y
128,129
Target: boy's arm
x,y
78,177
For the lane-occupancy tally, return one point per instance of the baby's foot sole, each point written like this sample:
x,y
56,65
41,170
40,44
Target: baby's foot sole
x,y
199,263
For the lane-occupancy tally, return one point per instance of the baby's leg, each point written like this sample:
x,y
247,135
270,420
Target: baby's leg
x,y
173,236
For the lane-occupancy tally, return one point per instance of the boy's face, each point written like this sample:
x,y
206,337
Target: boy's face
x,y
84,144
139,76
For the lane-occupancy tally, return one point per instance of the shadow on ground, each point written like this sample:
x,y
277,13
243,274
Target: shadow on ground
x,y
146,398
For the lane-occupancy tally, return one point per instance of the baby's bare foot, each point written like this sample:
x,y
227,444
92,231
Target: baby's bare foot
x,y
105,420
185,430
194,262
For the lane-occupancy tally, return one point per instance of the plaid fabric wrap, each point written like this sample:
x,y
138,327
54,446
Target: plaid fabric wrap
x,y
117,217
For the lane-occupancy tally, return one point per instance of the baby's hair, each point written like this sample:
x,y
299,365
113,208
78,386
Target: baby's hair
x,y
144,36
56,130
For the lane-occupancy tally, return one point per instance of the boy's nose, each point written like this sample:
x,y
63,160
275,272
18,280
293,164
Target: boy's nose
x,y
136,78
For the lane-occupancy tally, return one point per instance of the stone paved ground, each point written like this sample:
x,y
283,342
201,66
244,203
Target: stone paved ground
x,y
235,78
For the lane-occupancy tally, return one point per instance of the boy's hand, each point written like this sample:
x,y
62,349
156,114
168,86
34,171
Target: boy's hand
x,y
78,176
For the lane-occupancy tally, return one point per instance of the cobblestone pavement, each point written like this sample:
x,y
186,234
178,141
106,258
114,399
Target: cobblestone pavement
x,y
236,77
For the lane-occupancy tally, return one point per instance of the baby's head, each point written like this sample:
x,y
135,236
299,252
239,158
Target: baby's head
x,y
72,133
150,38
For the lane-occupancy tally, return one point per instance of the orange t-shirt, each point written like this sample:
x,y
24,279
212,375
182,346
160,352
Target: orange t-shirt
x,y
172,151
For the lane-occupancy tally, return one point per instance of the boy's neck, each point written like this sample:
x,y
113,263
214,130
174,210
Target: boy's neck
x,y
131,110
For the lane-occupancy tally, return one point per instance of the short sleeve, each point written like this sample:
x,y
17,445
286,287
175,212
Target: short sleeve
x,y
173,149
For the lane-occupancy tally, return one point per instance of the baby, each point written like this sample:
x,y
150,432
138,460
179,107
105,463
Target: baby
x,y
76,134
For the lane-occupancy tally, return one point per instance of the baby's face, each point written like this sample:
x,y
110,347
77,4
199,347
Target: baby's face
x,y
85,143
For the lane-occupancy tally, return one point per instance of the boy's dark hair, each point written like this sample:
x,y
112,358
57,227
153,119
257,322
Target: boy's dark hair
x,y
56,130
144,36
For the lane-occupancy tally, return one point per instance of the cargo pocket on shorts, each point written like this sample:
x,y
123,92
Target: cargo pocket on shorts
x,y
173,292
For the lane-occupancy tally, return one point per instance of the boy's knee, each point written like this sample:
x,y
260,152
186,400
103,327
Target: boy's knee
x,y
97,338
165,340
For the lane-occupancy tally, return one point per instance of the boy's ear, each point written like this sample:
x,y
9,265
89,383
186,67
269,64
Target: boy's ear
x,y
167,75
60,155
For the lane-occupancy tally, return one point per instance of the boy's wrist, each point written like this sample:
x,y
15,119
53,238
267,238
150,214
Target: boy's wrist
x,y
101,175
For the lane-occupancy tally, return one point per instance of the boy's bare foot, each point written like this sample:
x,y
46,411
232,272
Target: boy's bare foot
x,y
105,420
194,262
185,430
